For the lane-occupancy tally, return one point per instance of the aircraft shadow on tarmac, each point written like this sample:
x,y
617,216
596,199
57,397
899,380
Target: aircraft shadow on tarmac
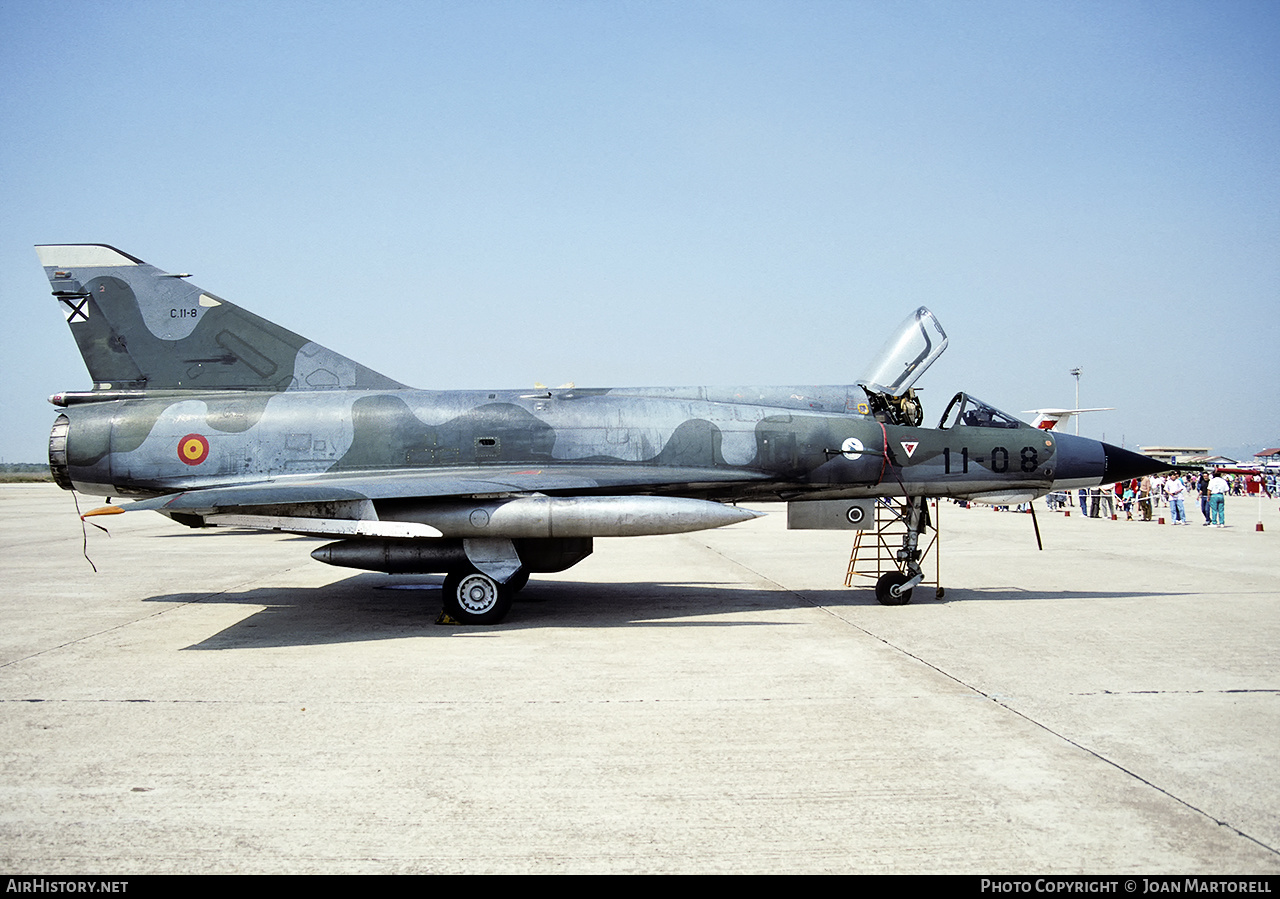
x,y
368,607
377,607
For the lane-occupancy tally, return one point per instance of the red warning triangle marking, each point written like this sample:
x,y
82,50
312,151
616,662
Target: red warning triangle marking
x,y
910,446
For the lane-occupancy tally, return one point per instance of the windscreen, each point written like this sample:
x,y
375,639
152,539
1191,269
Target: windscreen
x,y
972,412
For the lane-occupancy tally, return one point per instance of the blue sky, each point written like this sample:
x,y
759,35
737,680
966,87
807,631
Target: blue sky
x,y
489,194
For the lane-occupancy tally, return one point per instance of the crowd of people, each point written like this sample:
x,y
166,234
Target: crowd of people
x,y
1143,497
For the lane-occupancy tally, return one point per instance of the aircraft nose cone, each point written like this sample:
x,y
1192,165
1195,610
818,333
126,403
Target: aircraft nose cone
x,y
1081,461
1085,463
1123,465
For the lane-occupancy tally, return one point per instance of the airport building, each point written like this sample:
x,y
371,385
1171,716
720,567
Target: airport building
x,y
1185,455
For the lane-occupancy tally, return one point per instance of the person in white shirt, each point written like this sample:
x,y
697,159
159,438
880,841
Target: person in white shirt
x,y
1218,501
1174,488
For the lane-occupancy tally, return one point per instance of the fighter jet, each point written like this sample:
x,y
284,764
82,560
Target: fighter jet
x,y
206,413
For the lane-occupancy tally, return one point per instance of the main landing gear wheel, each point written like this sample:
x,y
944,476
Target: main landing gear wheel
x,y
472,597
889,589
518,581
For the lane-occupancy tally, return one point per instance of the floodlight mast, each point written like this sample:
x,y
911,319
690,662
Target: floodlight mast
x,y
1076,371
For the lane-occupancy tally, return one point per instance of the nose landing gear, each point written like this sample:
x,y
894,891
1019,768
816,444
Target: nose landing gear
x,y
899,569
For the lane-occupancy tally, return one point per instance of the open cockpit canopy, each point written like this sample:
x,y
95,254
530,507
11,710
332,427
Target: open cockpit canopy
x,y
918,341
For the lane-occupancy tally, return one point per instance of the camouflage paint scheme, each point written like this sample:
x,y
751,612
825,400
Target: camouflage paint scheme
x,y
212,414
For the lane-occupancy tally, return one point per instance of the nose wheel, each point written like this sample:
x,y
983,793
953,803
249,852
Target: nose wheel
x,y
889,589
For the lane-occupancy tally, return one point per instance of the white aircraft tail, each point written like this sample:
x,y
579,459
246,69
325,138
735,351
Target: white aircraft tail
x,y
1050,419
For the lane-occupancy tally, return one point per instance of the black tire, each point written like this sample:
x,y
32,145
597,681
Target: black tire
x,y
472,597
518,581
886,589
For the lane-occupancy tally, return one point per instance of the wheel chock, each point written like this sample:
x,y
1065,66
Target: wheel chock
x,y
446,618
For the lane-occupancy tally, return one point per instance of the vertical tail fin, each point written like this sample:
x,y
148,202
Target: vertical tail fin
x,y
1050,419
139,328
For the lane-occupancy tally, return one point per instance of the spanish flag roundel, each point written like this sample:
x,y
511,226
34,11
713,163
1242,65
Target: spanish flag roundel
x,y
193,449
